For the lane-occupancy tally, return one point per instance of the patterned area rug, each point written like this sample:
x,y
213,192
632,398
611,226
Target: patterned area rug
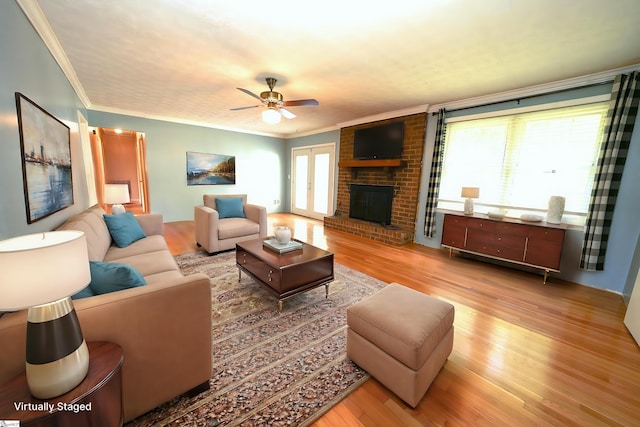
x,y
270,368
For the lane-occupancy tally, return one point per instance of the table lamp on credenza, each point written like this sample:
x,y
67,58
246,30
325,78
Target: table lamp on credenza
x,y
40,272
469,193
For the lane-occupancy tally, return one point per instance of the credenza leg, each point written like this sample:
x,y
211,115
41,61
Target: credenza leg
x,y
544,279
280,305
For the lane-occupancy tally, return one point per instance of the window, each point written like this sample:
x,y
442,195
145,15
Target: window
x,y
520,160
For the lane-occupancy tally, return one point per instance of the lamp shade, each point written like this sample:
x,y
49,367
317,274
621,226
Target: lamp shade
x,y
116,194
41,268
470,192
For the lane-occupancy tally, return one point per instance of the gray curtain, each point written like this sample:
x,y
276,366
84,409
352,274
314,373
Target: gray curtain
x,y
621,116
434,176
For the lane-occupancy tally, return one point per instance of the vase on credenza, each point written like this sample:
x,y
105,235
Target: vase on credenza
x,y
283,234
556,209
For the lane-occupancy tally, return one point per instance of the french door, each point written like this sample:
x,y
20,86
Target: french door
x,y
312,183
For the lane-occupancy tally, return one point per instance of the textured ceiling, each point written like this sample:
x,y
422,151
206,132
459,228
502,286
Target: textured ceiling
x,y
183,60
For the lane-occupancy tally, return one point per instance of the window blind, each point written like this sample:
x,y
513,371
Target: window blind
x,y
520,160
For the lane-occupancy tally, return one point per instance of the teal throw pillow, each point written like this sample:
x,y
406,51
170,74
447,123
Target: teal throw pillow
x,y
229,207
124,228
84,293
110,277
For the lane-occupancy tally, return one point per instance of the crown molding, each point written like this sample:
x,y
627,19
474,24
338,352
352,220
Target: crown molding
x,y
312,132
183,121
573,83
34,14
387,115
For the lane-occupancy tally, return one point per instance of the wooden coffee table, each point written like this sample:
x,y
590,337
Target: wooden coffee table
x,y
288,274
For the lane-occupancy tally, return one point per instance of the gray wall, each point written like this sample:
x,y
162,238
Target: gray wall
x,y
260,163
29,68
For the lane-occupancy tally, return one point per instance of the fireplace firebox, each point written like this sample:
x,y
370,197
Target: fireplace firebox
x,y
371,203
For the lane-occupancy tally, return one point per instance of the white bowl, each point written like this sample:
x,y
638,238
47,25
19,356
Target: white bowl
x,y
531,218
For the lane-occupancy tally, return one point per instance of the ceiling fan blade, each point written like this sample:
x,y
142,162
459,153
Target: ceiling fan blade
x,y
286,113
301,103
245,108
248,92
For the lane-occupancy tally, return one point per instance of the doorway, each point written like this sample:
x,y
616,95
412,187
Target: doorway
x,y
312,183
119,157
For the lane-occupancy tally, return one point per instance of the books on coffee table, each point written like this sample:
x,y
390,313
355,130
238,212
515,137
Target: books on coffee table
x,y
272,244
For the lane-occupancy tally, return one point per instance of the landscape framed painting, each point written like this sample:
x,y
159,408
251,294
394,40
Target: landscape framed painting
x,y
210,169
46,160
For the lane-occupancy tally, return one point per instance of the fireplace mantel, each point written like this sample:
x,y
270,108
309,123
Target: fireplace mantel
x,y
387,164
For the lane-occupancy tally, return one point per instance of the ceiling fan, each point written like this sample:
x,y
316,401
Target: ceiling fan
x,y
275,103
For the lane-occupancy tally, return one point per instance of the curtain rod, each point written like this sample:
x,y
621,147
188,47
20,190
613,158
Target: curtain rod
x,y
520,98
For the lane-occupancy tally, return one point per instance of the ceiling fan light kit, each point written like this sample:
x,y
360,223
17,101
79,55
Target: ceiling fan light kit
x,y
275,103
271,116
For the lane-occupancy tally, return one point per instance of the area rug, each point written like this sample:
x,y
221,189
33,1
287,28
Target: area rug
x,y
270,368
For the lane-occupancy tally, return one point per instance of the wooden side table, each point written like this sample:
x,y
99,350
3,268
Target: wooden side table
x,y
96,401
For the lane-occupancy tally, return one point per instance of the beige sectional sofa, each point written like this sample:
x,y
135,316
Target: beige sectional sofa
x,y
164,327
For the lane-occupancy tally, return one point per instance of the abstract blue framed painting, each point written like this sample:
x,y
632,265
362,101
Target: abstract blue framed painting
x,y
210,169
46,160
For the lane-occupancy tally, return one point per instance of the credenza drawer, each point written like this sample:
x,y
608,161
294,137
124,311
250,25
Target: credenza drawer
x,y
454,231
510,240
481,224
549,234
480,236
544,254
513,254
512,229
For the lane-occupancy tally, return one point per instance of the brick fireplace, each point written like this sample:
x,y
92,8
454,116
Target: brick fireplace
x,y
403,175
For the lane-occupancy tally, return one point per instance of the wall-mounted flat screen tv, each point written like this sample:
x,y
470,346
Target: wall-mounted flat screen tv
x,y
379,142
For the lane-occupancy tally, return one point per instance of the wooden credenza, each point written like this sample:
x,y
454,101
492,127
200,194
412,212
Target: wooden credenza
x,y
537,245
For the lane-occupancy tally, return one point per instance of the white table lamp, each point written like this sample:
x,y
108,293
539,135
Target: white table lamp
x,y
469,193
115,195
40,272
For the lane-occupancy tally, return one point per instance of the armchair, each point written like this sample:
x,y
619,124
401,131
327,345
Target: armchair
x,y
215,234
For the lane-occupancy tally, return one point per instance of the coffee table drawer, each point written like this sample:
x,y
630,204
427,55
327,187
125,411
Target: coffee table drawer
x,y
263,272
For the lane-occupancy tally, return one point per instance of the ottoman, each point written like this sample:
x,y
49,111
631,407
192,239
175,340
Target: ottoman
x,y
402,337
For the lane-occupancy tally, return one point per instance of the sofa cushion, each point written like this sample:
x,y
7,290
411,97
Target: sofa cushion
x,y
229,228
229,207
150,262
110,277
95,230
153,243
124,229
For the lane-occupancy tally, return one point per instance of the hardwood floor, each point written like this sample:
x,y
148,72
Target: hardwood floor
x,y
524,353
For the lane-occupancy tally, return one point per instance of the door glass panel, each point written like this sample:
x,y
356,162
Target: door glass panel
x,y
321,183
302,169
